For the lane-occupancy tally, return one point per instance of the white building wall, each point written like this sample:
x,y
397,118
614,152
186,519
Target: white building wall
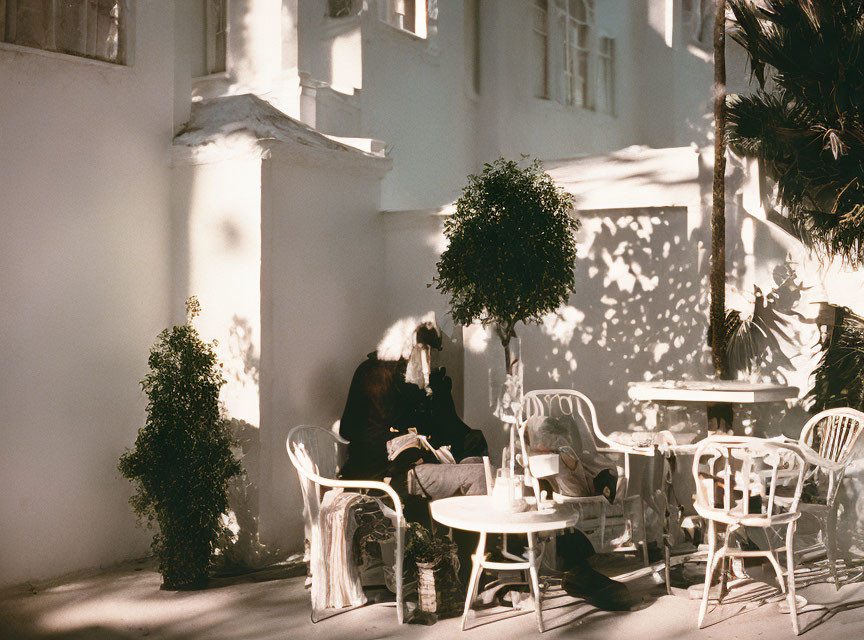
x,y
413,241
322,301
217,234
84,275
414,98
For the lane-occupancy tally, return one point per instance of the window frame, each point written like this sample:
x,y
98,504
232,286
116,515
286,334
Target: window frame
x,y
388,14
606,60
567,51
216,28
50,49
577,52
540,14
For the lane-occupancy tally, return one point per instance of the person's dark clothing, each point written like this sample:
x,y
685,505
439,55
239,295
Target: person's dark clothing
x,y
381,405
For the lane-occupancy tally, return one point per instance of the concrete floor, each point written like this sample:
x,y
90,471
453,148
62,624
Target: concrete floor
x,y
125,602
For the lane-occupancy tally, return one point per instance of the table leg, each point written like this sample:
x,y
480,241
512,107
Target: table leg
x,y
474,581
533,562
720,417
667,534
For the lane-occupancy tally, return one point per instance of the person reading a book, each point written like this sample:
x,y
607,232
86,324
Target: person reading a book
x,y
401,422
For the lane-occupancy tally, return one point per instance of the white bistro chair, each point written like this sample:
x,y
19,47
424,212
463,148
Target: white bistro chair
x,y
748,482
317,455
598,515
827,441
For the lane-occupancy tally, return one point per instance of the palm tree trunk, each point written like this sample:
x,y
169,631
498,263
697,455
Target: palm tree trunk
x,y
718,211
719,414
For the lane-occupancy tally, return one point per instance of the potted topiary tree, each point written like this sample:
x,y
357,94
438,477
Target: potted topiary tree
x,y
510,258
182,459
511,249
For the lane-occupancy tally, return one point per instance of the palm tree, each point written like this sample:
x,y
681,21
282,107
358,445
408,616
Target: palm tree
x,y
806,124
718,209
720,414
806,120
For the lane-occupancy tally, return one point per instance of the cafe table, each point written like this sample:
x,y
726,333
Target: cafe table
x,y
478,513
709,392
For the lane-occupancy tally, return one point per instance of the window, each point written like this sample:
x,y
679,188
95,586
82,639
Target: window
x,y
216,34
88,28
341,8
407,15
471,9
576,18
697,21
606,75
540,48
566,46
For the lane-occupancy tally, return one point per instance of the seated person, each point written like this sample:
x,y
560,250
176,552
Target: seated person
x,y
395,390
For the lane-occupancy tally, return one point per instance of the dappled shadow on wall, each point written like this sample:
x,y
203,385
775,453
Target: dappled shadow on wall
x,y
768,339
637,313
243,548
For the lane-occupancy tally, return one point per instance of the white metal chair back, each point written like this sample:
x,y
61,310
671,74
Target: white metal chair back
x,y
828,440
628,510
731,471
567,403
832,434
748,482
317,455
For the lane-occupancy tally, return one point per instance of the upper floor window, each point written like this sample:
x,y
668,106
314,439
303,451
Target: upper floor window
x,y
408,15
471,41
575,21
216,34
697,21
567,47
540,47
606,74
341,8
88,28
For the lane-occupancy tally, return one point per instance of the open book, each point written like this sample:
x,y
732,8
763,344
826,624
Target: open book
x,y
414,440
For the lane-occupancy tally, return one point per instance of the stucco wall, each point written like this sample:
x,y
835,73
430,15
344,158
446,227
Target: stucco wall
x,y
420,108
322,301
217,239
84,271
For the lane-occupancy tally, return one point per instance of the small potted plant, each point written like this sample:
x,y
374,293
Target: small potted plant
x,y
438,587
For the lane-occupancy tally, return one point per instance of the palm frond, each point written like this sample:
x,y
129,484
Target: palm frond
x,y
806,122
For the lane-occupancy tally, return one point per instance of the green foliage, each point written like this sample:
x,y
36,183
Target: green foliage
x,y
806,121
182,459
511,248
838,380
422,546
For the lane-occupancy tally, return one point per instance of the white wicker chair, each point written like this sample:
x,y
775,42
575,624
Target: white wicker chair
x,y
598,513
317,455
827,441
735,474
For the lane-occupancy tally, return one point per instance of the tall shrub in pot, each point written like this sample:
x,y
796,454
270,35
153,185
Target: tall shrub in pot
x,y
182,460
511,249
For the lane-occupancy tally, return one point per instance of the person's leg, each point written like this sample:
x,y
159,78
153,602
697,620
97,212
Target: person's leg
x,y
445,480
581,580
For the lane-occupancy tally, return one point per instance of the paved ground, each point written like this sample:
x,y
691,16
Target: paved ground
x,y
125,602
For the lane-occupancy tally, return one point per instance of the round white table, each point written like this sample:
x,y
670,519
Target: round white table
x,y
476,513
